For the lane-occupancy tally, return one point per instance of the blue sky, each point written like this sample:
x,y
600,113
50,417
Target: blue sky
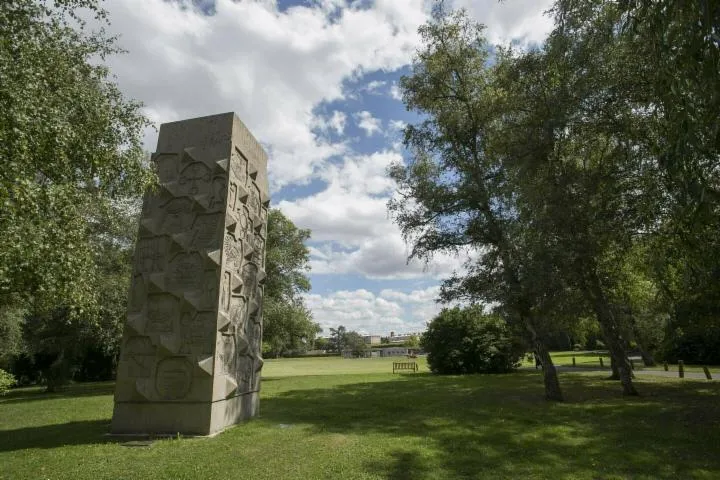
x,y
316,81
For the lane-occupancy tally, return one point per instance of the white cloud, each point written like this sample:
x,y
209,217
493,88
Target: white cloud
x,y
351,230
395,92
368,313
367,122
522,20
336,122
272,68
374,86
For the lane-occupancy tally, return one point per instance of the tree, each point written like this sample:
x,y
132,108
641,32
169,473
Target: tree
x,y
60,342
69,144
337,338
454,192
322,343
465,340
288,324
355,344
413,341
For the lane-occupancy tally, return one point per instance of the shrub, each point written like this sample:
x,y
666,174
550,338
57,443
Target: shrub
x,y
7,380
464,340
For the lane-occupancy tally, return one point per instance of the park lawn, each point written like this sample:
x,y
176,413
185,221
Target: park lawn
x,y
380,425
289,367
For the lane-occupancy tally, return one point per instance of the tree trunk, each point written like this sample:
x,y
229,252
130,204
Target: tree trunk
x,y
550,377
611,332
618,353
648,359
615,375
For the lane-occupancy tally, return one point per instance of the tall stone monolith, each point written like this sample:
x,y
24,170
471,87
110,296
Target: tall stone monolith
x,y
191,350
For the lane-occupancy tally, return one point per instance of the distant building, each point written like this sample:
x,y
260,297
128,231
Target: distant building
x,y
372,339
394,352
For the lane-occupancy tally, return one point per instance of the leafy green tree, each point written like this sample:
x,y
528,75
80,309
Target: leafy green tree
x,y
337,338
288,324
60,340
7,380
322,343
355,344
454,192
465,340
11,334
69,142
413,341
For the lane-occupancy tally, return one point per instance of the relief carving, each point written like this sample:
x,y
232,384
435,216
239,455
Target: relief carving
x,y
173,378
184,272
211,289
232,196
138,291
253,202
244,223
197,333
138,355
233,253
239,167
150,256
249,278
167,167
206,231
225,291
195,178
217,198
178,215
162,310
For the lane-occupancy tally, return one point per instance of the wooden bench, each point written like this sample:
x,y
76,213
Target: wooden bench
x,y
398,366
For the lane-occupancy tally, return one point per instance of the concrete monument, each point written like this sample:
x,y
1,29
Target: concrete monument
x,y
191,350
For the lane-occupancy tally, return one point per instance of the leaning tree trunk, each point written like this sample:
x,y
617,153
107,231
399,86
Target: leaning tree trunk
x,y
647,358
610,329
550,376
615,375
615,343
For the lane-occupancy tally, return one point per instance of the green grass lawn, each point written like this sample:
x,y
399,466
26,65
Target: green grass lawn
x,y
352,419
291,367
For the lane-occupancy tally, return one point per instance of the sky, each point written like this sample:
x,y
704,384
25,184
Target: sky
x,y
316,82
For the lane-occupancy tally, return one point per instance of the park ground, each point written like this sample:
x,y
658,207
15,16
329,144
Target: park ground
x,y
354,419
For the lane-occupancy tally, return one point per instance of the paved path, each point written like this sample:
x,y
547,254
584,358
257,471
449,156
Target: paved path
x,y
657,373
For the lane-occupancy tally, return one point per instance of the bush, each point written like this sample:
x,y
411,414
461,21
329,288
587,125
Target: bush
x,y
464,340
7,380
694,346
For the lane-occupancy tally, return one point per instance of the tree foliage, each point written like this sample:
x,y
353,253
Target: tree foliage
x,y
69,144
582,173
465,340
288,325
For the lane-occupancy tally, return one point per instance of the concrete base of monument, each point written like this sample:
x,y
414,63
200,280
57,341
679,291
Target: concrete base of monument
x,y
173,419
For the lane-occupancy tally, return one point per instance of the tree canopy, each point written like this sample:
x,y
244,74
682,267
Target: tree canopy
x,y
70,143
288,324
581,172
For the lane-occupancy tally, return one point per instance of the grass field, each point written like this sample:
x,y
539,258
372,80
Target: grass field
x,y
338,419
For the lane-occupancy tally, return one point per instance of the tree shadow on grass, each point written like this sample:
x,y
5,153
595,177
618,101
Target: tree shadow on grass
x,y
54,436
31,394
500,427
